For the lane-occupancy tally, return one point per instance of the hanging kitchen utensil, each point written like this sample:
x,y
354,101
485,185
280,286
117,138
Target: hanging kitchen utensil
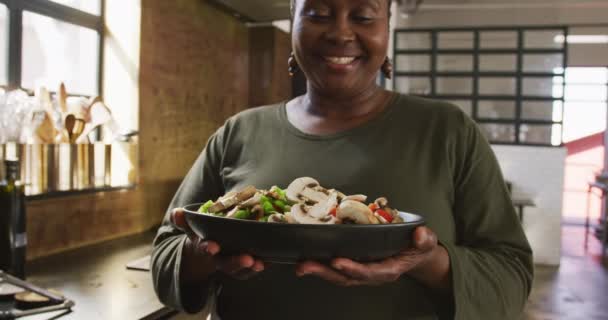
x,y
99,114
62,98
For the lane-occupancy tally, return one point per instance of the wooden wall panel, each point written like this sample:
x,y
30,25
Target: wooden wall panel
x,y
194,75
268,75
64,223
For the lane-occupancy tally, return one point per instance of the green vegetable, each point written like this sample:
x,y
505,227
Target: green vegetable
x,y
242,214
263,219
205,207
280,191
267,206
280,204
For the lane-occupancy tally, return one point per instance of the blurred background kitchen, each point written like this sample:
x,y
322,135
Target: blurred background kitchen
x,y
107,103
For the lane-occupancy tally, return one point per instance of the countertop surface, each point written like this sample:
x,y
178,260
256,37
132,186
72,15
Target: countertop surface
x,y
96,278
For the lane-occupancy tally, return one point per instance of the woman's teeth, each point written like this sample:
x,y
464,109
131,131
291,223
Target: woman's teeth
x,y
340,60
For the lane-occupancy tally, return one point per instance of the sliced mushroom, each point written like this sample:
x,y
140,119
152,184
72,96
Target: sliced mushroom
x,y
313,195
246,193
232,212
381,202
299,212
355,211
257,211
278,218
252,201
356,197
289,217
232,198
297,185
322,209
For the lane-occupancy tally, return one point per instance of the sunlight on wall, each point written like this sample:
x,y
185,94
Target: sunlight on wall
x,y
121,80
121,64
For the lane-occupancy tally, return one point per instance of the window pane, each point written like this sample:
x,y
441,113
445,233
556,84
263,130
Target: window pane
x,y
545,39
455,40
465,105
497,86
450,62
413,40
496,109
413,85
541,134
55,52
90,6
498,62
542,110
452,85
3,44
413,62
543,63
543,87
498,132
498,39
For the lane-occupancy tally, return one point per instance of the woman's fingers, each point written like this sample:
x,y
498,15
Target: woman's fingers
x,y
178,219
240,266
326,273
424,239
379,272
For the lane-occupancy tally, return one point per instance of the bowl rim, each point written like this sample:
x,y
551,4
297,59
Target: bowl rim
x,y
419,222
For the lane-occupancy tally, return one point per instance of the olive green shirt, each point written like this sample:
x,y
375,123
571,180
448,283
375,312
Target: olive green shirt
x,y
427,157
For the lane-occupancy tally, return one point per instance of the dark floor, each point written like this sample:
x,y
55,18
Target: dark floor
x,y
578,289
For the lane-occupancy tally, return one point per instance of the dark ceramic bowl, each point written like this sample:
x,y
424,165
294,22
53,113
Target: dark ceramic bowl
x,y
289,243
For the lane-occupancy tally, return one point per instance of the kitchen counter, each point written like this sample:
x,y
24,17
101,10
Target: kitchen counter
x,y
96,279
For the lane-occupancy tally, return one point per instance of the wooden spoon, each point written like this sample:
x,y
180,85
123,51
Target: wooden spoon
x,y
70,122
62,97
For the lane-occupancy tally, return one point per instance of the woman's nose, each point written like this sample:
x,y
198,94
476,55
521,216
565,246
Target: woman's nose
x,y
340,31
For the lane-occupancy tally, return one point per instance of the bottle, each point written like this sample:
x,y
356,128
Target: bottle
x,y
13,238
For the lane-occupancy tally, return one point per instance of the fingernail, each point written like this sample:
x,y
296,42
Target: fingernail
x,y
337,266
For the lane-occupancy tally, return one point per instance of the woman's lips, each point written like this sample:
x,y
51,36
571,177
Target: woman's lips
x,y
341,63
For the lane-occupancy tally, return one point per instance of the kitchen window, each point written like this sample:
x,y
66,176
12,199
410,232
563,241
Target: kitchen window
x,y
47,42
506,78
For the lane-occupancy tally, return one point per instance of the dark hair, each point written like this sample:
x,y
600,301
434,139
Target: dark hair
x,y
292,7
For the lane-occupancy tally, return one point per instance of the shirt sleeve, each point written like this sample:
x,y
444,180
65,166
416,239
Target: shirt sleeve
x,y
203,182
491,260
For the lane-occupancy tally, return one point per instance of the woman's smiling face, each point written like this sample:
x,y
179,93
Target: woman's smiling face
x,y
340,45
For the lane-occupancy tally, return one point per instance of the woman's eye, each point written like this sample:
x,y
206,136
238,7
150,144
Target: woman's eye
x,y
318,16
363,19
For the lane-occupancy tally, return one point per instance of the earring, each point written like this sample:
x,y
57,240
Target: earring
x,y
292,64
387,68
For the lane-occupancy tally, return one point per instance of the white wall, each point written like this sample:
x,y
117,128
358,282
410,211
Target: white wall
x,y
539,174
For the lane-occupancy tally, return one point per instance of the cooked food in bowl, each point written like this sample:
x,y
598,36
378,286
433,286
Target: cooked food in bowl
x,y
304,201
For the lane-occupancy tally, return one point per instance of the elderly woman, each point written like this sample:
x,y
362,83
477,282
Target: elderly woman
x,y
471,261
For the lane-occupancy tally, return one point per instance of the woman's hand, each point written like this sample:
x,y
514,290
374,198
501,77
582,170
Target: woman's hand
x,y
426,261
200,259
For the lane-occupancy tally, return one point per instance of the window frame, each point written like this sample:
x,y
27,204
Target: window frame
x,y
519,74
55,11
